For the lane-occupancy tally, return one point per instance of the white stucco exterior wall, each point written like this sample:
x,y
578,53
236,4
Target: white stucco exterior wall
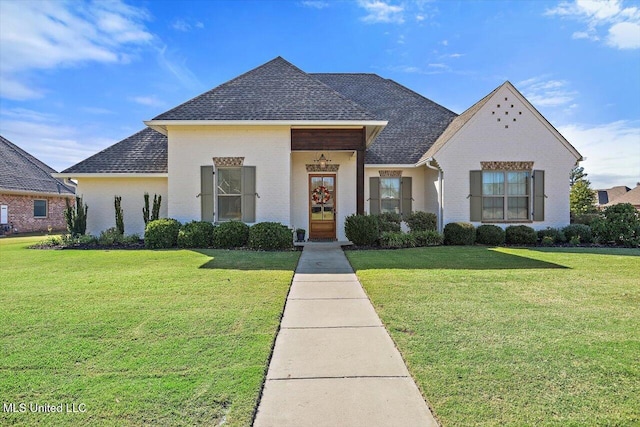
x,y
484,138
423,186
265,147
98,194
345,185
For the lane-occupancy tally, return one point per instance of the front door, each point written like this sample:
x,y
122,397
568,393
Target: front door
x,y
322,207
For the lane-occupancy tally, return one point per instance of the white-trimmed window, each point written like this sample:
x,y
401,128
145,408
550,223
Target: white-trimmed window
x,y
505,195
229,192
390,196
40,208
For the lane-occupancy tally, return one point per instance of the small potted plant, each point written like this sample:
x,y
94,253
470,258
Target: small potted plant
x,y
300,232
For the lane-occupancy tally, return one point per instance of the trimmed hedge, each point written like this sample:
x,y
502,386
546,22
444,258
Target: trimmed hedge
x,y
520,235
269,236
196,234
394,240
232,234
489,234
161,233
459,233
361,230
422,221
388,222
581,231
427,238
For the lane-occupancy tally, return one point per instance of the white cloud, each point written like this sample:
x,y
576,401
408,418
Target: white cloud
x,y
57,145
380,12
181,25
622,23
45,35
546,93
184,26
149,101
612,151
315,4
178,68
624,35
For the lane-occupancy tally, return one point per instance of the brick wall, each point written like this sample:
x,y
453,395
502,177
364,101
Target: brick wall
x,y
20,213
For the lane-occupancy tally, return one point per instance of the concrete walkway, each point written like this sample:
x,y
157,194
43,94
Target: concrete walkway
x,y
334,363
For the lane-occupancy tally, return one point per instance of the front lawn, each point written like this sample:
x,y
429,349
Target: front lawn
x,y
514,336
174,337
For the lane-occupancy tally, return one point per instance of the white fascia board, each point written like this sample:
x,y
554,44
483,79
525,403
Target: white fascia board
x,y
293,123
34,193
109,175
385,166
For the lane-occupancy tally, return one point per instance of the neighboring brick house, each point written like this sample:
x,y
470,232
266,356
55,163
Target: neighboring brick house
x,y
31,199
308,150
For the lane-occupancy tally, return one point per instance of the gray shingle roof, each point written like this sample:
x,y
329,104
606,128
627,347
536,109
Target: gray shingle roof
x,y
143,152
415,122
276,90
20,171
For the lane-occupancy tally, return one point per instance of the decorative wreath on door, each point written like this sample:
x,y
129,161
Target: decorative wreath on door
x,y
320,195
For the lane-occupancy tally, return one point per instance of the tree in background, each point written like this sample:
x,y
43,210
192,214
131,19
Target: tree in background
x,y
582,199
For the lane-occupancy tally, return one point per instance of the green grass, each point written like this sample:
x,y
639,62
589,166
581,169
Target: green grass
x,y
140,337
514,336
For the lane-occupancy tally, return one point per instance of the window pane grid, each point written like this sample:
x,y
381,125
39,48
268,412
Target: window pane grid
x,y
229,192
390,195
505,195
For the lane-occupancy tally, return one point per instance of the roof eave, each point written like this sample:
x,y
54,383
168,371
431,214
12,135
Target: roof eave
x,y
35,193
76,175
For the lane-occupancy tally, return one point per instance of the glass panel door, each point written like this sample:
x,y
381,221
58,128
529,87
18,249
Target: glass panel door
x,y
322,206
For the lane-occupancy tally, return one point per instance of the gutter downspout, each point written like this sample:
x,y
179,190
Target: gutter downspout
x,y
440,197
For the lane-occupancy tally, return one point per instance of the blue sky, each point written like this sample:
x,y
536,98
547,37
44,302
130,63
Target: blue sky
x,y
76,77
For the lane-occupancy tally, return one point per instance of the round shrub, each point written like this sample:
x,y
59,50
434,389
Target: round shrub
x,y
520,235
269,236
547,241
555,234
393,240
427,238
196,234
422,221
361,230
581,231
459,233
388,222
489,234
161,233
232,234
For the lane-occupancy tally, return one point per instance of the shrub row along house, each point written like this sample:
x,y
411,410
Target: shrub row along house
x,y
307,150
30,198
